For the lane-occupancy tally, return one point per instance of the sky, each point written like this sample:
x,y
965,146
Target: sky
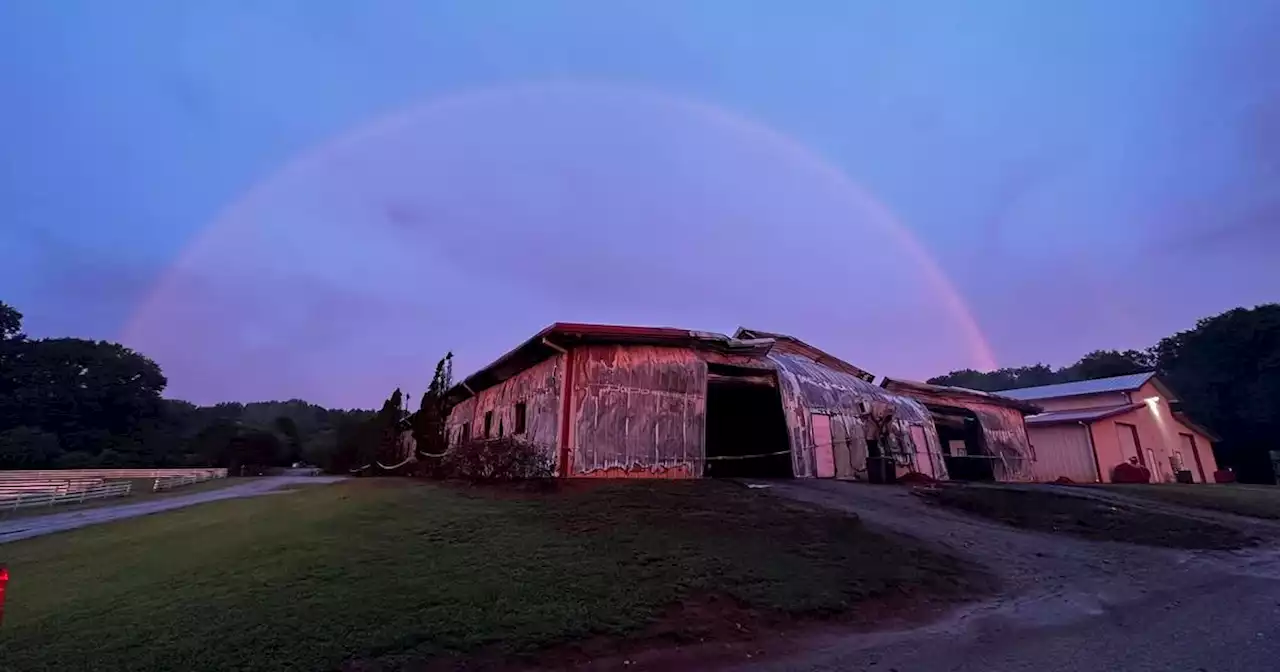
x,y
316,199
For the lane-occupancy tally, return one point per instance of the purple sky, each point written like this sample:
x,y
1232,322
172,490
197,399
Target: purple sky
x,y
318,199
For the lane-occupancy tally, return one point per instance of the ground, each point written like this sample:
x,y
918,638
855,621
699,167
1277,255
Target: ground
x,y
1047,510
374,574
1259,501
1068,603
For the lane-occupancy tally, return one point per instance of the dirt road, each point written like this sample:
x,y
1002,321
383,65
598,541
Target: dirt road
x,y
34,526
1070,604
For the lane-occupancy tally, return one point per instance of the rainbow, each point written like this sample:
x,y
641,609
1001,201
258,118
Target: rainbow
x,y
150,309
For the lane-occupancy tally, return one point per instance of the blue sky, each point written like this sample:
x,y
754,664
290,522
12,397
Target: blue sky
x,y
1087,174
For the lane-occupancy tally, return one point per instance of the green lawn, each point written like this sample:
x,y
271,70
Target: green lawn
x,y
1064,513
1259,501
384,572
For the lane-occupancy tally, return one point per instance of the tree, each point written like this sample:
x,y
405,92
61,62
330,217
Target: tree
x,y
428,424
27,448
1226,372
10,322
1108,363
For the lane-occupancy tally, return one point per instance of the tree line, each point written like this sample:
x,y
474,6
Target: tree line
x,y
1225,371
77,403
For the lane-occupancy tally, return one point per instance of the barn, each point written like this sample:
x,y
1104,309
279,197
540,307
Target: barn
x,y
983,436
655,402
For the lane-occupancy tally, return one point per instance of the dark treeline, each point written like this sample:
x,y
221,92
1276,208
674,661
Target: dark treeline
x,y
1225,371
74,403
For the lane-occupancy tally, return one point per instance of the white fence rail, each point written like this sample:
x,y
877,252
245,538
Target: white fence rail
x,y
11,503
106,474
171,482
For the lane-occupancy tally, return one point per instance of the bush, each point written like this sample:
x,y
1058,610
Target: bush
x,y
504,459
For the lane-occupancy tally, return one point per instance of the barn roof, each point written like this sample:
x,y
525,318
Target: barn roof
x,y
820,356
561,335
1127,383
1085,415
942,392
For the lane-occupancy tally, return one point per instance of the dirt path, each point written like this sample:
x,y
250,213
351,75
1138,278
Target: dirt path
x,y
1112,602
34,526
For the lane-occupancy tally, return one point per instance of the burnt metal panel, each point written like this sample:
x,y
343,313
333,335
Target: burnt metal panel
x,y
537,387
867,411
638,410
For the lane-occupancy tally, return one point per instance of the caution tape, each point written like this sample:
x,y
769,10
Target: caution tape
x,y
746,457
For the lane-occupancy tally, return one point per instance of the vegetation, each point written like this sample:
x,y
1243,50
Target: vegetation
x,y
69,402
359,573
1244,500
1226,372
1086,517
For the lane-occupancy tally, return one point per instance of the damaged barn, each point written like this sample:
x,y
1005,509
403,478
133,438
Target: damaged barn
x,y
620,401
983,436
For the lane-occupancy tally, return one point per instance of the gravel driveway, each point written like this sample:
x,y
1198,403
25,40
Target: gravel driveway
x,y
34,526
1069,605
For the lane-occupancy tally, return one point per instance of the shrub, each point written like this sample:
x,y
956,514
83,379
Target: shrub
x,y
503,459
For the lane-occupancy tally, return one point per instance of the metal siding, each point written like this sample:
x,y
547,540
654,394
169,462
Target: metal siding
x,y
1063,450
538,387
638,411
808,387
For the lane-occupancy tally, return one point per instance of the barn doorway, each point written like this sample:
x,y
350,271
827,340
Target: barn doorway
x,y
963,448
746,431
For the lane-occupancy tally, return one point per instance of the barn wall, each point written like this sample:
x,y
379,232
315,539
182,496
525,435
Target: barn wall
x,y
538,387
1004,431
808,388
637,411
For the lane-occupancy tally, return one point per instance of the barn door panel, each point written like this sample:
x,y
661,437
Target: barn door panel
x,y
823,456
840,446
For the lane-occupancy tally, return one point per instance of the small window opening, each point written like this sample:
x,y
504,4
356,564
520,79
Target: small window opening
x,y
488,423
465,435
499,429
520,419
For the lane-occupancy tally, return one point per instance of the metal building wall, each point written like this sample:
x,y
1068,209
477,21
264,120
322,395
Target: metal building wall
x,y
637,411
538,387
1063,450
808,388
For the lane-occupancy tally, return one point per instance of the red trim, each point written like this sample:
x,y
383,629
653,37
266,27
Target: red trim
x,y
566,413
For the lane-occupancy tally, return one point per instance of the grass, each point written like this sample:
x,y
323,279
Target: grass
x,y
1258,501
1094,519
390,571
140,492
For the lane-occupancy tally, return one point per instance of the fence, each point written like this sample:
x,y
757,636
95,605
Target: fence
x,y
171,482
11,503
106,474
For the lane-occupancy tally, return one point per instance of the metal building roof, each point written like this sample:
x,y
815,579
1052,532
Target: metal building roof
x,y
1080,414
1096,386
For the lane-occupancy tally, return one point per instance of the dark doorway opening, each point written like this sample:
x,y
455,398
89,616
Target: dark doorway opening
x,y
963,448
881,468
744,418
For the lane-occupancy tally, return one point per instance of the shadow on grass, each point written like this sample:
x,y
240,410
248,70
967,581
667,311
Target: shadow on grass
x,y
1089,518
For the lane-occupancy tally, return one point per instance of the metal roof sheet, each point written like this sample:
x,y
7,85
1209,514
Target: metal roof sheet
x,y
1080,414
1096,386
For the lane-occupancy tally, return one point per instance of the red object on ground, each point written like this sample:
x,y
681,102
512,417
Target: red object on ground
x,y
4,579
1130,473
1224,476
